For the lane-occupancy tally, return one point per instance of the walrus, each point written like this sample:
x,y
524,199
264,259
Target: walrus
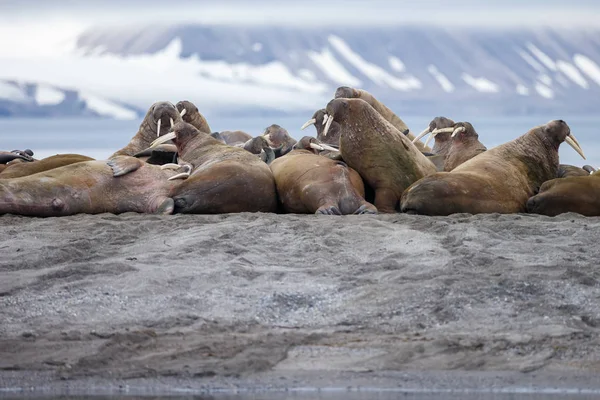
x,y
464,145
439,129
309,183
158,120
384,157
45,164
579,194
235,137
122,184
566,170
260,147
500,180
279,139
318,120
190,114
351,93
222,178
8,156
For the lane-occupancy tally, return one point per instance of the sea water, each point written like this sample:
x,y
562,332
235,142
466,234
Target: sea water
x,y
99,138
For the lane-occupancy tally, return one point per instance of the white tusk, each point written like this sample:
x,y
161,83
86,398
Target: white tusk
x,y
571,141
183,175
316,147
327,125
163,139
325,118
442,130
182,113
158,128
457,130
421,134
326,147
170,166
430,137
171,122
308,123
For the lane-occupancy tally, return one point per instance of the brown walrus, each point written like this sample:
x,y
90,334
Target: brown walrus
x,y
499,180
566,171
310,183
45,164
351,93
318,120
439,129
464,145
190,114
223,178
260,147
122,184
579,194
279,139
384,157
158,120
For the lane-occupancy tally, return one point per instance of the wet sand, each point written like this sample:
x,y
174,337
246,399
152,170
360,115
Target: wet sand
x,y
157,304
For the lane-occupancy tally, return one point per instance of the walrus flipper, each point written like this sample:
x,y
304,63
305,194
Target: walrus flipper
x,y
122,165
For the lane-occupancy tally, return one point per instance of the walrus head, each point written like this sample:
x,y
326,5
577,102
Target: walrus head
x,y
345,92
181,135
439,129
555,132
190,114
279,139
319,121
313,145
159,119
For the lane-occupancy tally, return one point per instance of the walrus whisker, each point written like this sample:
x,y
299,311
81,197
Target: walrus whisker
x,y
163,139
158,128
457,130
182,113
308,123
327,125
571,141
420,135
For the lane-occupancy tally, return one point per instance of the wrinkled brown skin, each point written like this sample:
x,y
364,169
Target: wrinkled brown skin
x,y
233,138
279,139
384,157
500,180
333,135
566,171
193,116
45,164
89,187
464,146
579,194
225,179
309,183
351,93
147,131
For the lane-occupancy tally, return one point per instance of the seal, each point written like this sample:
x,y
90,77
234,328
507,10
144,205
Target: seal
x,y
579,194
190,114
122,184
500,180
384,157
279,139
332,137
158,120
351,93
310,183
222,178
45,164
464,145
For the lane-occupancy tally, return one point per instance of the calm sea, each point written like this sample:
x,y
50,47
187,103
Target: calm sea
x,y
100,138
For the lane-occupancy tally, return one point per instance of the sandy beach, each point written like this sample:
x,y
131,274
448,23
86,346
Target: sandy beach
x,y
208,302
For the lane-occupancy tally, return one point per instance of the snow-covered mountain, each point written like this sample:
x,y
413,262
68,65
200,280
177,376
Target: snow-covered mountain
x,y
26,99
412,68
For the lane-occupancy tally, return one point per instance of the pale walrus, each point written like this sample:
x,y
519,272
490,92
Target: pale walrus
x,y
384,157
158,120
500,180
122,184
579,194
309,183
222,179
318,120
351,93
45,164
464,145
190,114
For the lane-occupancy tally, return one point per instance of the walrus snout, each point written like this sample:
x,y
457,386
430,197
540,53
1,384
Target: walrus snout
x,y
532,204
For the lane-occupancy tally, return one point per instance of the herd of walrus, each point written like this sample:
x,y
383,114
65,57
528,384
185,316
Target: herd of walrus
x,y
363,160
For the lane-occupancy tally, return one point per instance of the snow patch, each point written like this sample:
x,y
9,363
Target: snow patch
x,y
331,67
522,90
543,57
481,84
544,90
396,64
531,61
48,96
444,82
12,92
588,66
372,71
572,73
545,79
307,74
107,108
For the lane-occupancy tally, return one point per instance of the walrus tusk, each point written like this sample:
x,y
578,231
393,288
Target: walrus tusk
x,y
325,118
327,147
308,123
170,166
457,130
171,122
158,128
322,147
183,175
420,135
163,139
327,125
429,138
571,141
182,113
